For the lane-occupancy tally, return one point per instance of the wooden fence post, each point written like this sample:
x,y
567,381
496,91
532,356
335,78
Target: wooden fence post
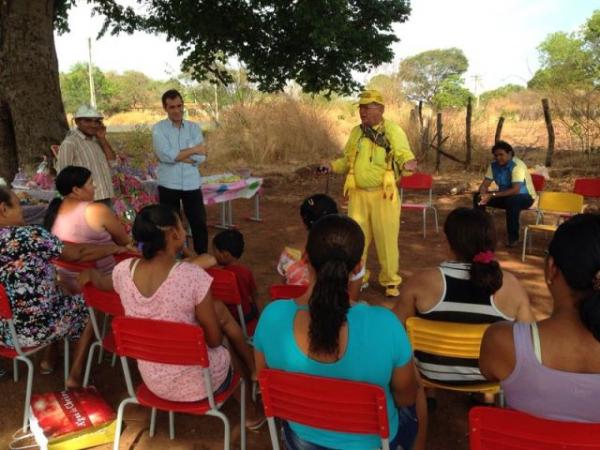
x,y
469,144
550,128
438,155
499,129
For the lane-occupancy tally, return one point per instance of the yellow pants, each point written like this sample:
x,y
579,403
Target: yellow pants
x,y
379,219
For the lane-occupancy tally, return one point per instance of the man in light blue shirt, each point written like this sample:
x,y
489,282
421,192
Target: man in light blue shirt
x,y
179,146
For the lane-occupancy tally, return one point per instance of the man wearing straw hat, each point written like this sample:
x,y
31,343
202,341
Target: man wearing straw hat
x,y
87,146
376,153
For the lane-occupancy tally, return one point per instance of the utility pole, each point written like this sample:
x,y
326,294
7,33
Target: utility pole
x,y
91,78
476,82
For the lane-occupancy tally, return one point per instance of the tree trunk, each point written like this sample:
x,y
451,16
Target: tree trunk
x,y
468,128
32,116
550,128
499,129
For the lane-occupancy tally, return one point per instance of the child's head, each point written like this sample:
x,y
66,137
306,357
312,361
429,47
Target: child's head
x,y
315,207
228,246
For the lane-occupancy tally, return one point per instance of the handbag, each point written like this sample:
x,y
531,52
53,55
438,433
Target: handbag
x,y
68,420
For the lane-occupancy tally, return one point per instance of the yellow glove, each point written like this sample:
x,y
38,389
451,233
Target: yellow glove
x,y
389,184
350,183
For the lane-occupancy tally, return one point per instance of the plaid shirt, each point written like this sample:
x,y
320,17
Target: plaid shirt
x,y
79,150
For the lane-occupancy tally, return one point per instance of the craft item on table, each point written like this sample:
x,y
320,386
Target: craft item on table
x,y
20,180
42,177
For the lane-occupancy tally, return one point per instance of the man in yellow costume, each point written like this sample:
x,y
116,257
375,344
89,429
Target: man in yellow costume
x,y
376,153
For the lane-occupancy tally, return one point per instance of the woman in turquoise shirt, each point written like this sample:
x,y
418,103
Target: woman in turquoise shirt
x,y
321,334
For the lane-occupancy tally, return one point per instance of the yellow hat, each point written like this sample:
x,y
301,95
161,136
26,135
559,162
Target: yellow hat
x,y
370,96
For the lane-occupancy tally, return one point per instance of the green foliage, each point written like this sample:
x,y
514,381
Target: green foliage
x,y
75,88
500,92
570,60
451,94
317,44
422,76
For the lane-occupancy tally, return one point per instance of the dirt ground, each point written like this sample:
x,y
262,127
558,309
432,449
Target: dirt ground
x,y
279,208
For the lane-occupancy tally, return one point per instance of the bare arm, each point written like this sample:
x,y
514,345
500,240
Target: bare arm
x,y
207,319
104,144
88,252
484,186
497,354
100,280
404,385
259,361
100,216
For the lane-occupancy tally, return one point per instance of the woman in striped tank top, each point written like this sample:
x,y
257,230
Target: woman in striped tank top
x,y
469,287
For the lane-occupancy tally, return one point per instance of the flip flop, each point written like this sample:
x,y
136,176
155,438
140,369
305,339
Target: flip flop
x,y
255,426
46,370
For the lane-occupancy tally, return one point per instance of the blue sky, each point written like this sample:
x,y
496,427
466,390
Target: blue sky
x,y
498,37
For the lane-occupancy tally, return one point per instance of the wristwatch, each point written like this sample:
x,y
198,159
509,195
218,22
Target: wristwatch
x,y
493,194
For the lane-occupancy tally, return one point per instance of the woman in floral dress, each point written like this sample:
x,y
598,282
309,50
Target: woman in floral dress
x,y
42,313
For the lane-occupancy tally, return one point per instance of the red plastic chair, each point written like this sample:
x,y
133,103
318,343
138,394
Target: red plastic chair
x,y
324,403
18,353
539,182
171,343
225,288
505,429
588,187
419,182
110,304
285,291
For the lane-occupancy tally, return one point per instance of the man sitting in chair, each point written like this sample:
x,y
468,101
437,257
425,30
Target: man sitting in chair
x,y
515,188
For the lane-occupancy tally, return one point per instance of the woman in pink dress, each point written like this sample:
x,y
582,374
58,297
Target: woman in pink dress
x,y
159,287
77,218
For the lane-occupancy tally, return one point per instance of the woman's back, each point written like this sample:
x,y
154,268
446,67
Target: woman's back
x,y
71,225
376,345
543,391
175,300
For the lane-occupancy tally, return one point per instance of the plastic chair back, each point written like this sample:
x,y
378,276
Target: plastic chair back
x,y
588,187
224,286
285,291
108,302
325,403
417,181
539,182
456,340
160,341
5,310
561,202
497,428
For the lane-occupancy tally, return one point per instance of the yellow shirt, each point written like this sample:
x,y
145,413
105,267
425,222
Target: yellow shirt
x,y
369,158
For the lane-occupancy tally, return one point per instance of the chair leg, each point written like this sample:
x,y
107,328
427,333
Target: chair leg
x,y
435,216
243,414
227,432
273,433
152,422
66,361
424,222
102,335
28,389
119,419
88,366
15,370
385,444
524,243
114,360
171,425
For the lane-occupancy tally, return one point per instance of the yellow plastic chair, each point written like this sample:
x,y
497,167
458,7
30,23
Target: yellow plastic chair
x,y
456,340
561,203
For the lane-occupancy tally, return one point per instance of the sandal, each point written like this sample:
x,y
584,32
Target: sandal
x,y
257,425
46,369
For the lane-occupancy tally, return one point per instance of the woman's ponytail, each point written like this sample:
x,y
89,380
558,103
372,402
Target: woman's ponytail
x,y
51,213
328,305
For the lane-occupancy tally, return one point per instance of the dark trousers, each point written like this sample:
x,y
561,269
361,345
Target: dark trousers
x,y
513,205
193,207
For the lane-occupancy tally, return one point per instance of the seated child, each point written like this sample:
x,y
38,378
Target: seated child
x,y
228,247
